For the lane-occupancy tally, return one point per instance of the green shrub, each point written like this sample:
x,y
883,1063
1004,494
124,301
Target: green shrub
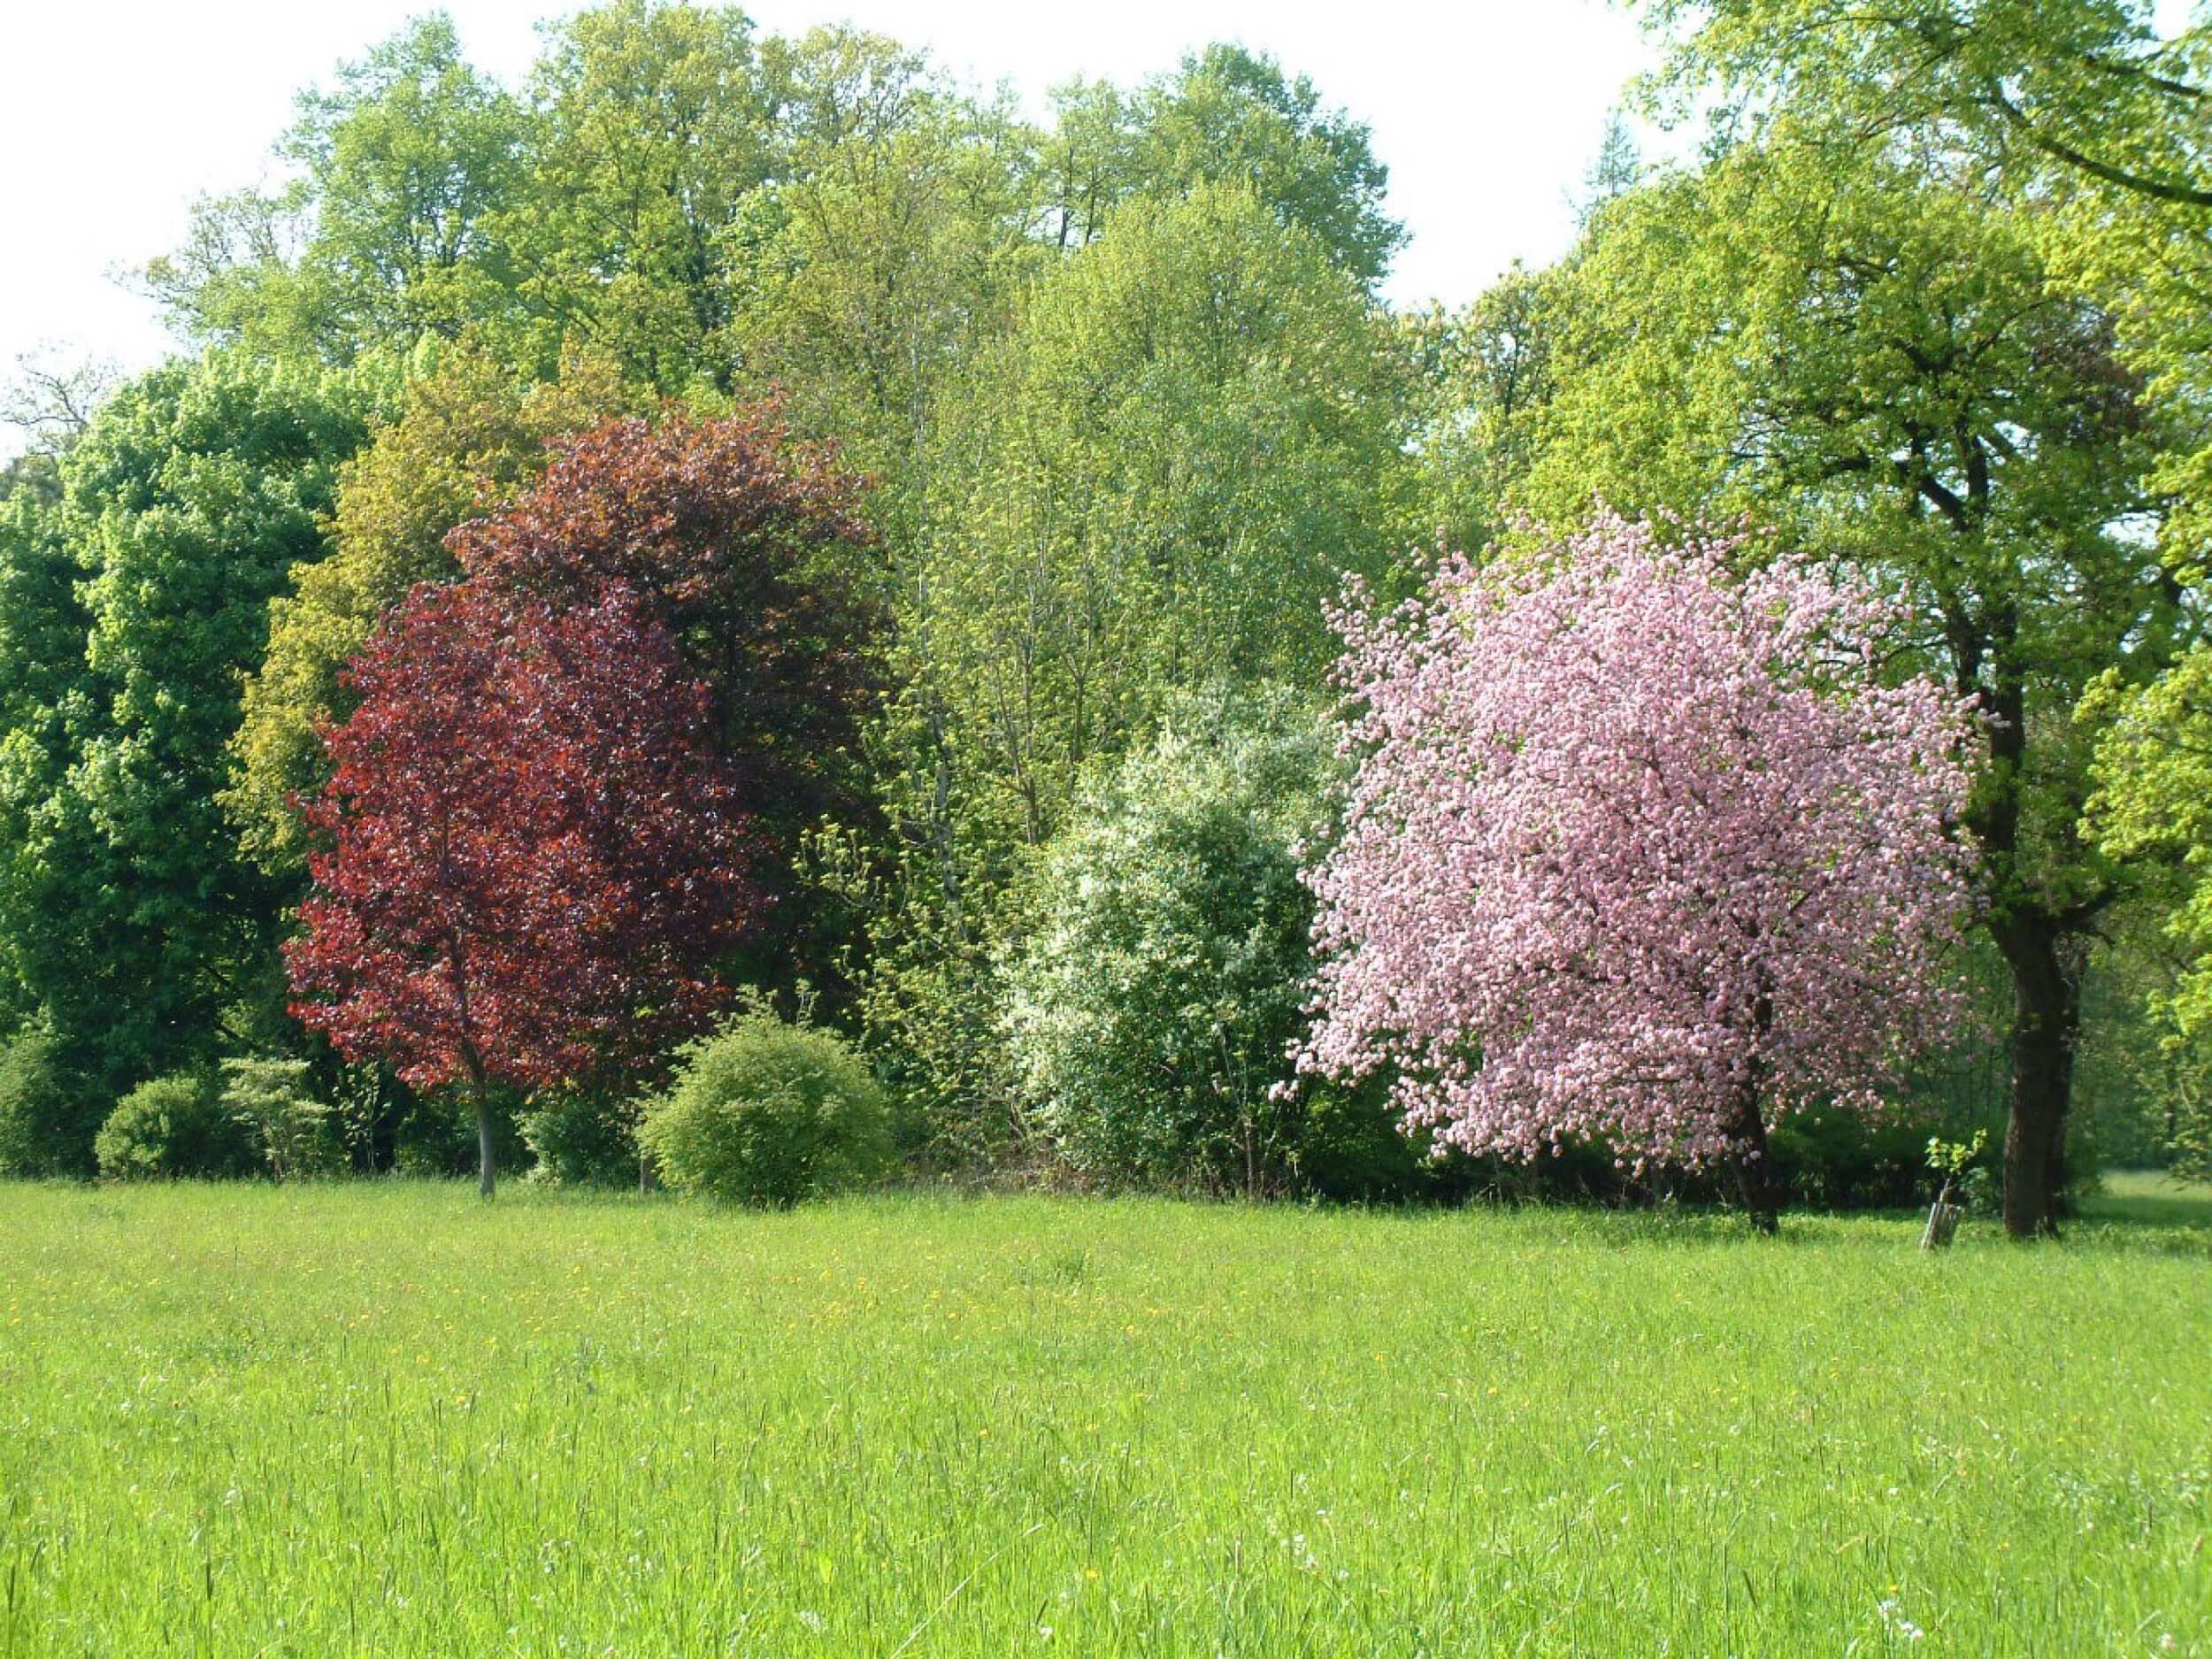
x,y
1351,1150
50,1111
766,1112
1840,1160
174,1125
1151,1007
583,1138
289,1127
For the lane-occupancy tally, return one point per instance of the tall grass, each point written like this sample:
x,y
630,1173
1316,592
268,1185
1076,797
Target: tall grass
x,y
389,1420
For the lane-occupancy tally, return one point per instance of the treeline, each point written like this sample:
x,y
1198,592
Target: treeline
x,y
1053,442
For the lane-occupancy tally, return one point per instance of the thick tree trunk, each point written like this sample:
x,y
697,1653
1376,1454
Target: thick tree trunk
x,y
2045,1001
2046,1018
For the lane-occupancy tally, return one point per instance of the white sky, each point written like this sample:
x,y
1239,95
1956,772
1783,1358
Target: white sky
x,y
115,113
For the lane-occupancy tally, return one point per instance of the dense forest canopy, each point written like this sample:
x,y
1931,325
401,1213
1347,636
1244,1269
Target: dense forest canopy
x,y
943,461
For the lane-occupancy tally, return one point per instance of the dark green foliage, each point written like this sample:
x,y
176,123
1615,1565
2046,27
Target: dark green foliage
x,y
1839,1160
33,475
50,1110
433,1131
582,1137
174,1126
767,1112
1352,1149
129,917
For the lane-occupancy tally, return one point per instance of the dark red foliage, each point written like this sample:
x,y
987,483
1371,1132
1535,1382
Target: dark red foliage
x,y
533,853
747,544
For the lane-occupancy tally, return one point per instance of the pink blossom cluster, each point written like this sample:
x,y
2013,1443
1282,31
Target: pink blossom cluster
x,y
1637,850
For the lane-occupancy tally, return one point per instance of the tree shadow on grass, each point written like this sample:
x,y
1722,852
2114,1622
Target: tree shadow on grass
x,y
2150,1198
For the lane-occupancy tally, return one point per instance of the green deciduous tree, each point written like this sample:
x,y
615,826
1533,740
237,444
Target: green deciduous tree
x,y
127,915
1195,431
383,232
1197,428
893,250
1867,350
1227,115
2082,107
649,124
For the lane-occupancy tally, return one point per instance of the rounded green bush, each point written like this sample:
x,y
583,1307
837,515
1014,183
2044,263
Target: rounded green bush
x,y
766,1112
174,1125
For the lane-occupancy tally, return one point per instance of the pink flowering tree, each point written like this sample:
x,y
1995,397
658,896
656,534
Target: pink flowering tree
x,y
1637,852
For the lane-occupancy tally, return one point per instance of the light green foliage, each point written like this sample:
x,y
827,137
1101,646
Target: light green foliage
x,y
1197,429
583,214
171,1127
2153,800
289,1129
648,124
1152,1001
768,1112
1190,440
126,913
383,235
931,1009
1232,116
2183,1084
890,252
467,437
1960,1168
1179,1430
408,154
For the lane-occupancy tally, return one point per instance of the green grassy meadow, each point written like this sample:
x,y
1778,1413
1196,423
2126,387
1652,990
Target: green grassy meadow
x,y
390,1420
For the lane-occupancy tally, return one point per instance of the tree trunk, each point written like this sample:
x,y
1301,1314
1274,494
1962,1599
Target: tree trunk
x,y
2046,1012
1754,1167
487,1157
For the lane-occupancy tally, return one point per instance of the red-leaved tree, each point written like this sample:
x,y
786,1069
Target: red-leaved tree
x,y
533,851
743,541
1638,853
746,542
